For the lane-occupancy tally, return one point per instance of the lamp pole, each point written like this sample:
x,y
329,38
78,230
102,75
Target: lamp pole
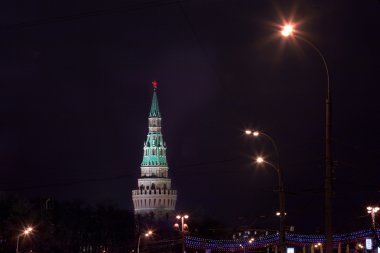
x,y
183,227
287,31
373,210
281,190
26,232
147,234
281,195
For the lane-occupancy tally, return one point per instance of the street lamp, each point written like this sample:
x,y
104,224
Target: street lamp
x,y
281,197
241,246
289,31
183,228
256,133
373,210
281,191
26,232
147,234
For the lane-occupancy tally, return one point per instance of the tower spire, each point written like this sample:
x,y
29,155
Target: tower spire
x,y
154,109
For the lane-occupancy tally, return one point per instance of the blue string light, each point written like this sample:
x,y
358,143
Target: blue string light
x,y
198,243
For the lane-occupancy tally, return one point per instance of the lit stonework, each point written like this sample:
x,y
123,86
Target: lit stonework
x,y
154,193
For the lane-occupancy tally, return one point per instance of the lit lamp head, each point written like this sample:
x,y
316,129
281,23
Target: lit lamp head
x,y
149,233
28,230
373,209
287,30
178,217
260,159
250,132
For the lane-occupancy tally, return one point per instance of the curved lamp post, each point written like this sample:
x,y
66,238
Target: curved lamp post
x,y
26,232
281,196
281,191
288,31
147,234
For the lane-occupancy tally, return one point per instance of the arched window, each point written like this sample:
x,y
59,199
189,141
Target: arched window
x,y
153,187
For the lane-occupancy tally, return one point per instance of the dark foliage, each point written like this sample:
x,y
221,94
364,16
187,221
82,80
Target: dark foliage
x,y
65,227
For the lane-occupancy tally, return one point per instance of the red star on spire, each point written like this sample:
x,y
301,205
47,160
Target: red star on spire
x,y
154,84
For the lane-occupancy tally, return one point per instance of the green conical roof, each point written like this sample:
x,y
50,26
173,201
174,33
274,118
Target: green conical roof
x,y
154,110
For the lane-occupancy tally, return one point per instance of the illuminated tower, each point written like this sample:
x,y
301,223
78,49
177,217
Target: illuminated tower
x,y
154,193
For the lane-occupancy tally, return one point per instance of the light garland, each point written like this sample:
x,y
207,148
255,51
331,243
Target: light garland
x,y
198,243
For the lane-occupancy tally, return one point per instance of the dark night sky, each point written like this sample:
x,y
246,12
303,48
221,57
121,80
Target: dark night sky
x,y
75,96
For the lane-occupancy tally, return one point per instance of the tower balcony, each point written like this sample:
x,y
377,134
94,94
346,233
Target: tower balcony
x,y
154,192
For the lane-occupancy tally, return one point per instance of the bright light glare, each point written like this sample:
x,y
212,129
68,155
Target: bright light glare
x,y
28,230
178,217
248,132
256,133
186,216
374,209
259,159
287,30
